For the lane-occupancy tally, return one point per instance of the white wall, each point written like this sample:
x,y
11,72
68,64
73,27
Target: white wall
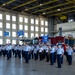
x,y
67,29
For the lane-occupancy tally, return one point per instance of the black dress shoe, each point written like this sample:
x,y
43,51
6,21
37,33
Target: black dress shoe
x,y
51,64
58,67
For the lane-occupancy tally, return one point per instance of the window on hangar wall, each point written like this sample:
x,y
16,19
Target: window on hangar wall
x,y
13,34
13,41
1,16
1,25
20,19
1,33
32,28
8,25
25,20
32,21
8,17
21,27
1,41
26,27
14,18
13,26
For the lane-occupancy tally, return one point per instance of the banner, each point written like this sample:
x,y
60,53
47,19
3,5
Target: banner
x,y
45,38
20,33
6,33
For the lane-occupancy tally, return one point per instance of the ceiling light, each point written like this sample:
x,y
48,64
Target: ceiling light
x,y
44,13
22,12
58,9
3,4
40,4
26,9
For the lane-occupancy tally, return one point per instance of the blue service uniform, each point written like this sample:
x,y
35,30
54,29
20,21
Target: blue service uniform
x,y
32,50
47,54
70,52
35,53
8,48
26,53
19,52
52,55
60,53
15,51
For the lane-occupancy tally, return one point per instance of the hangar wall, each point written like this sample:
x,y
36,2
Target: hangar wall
x,y
33,26
67,29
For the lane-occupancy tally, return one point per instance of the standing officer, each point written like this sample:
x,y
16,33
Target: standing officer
x,y
35,53
32,50
19,51
52,55
26,53
8,51
10,48
29,54
40,52
70,52
60,53
23,51
4,50
47,53
15,51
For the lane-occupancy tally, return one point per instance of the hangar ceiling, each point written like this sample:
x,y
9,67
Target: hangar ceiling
x,y
46,8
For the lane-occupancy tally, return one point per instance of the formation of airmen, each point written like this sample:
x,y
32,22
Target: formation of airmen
x,y
38,52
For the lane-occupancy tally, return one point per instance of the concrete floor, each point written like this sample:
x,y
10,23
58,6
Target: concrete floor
x,y
19,67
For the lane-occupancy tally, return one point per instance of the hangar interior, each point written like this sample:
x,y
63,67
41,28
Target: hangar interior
x,y
36,18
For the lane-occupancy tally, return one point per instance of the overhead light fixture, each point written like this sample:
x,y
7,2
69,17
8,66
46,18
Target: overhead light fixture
x,y
44,13
58,9
26,9
3,4
40,4
22,12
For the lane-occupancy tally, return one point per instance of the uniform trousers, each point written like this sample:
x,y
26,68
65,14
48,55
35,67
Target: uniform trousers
x,y
59,60
29,55
47,57
66,54
8,55
19,53
23,53
40,55
26,57
15,53
51,58
0,53
4,52
32,54
54,57
70,59
35,56
62,60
